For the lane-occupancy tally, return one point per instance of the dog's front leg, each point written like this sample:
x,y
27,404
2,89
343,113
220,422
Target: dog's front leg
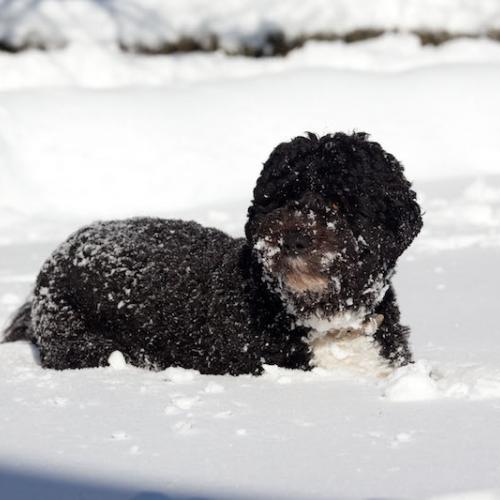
x,y
391,334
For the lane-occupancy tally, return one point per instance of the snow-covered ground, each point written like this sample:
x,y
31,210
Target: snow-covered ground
x,y
156,149
428,430
89,132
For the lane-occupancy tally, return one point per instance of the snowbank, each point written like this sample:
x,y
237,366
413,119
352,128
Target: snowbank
x,y
92,65
234,23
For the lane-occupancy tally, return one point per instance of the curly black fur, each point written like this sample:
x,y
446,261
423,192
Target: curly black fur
x,y
173,293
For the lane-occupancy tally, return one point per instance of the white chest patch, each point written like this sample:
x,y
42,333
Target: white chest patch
x,y
344,344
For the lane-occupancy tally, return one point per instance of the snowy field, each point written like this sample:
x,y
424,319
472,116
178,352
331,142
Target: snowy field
x,y
88,132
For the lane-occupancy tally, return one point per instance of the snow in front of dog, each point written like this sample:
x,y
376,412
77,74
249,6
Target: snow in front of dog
x,y
423,381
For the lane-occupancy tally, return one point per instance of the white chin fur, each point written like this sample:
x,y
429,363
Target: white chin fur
x,y
358,355
344,343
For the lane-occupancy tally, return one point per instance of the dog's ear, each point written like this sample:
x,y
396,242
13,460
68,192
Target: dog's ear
x,y
372,188
403,217
400,211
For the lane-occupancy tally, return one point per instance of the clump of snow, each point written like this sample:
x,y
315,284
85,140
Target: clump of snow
x,y
185,403
120,436
411,383
214,388
180,375
422,381
117,361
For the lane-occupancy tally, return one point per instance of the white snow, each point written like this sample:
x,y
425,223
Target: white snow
x,y
170,159
90,132
470,495
411,383
117,361
296,423
153,23
97,66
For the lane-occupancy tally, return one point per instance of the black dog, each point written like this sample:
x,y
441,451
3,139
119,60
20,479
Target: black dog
x,y
329,219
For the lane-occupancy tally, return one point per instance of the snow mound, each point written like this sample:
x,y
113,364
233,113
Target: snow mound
x,y
96,66
411,383
421,381
230,24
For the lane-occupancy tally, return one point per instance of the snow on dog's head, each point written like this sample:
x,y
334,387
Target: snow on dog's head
x,y
329,219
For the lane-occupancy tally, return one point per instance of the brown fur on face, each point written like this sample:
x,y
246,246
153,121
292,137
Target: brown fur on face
x,y
307,270
300,279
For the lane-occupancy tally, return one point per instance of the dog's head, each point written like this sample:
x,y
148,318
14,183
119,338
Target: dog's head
x,y
329,219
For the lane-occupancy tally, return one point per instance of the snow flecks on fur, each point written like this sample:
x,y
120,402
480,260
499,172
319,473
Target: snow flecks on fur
x,y
162,292
266,251
328,258
345,319
377,287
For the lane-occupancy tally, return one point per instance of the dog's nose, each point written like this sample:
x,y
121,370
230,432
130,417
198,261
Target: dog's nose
x,y
295,243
